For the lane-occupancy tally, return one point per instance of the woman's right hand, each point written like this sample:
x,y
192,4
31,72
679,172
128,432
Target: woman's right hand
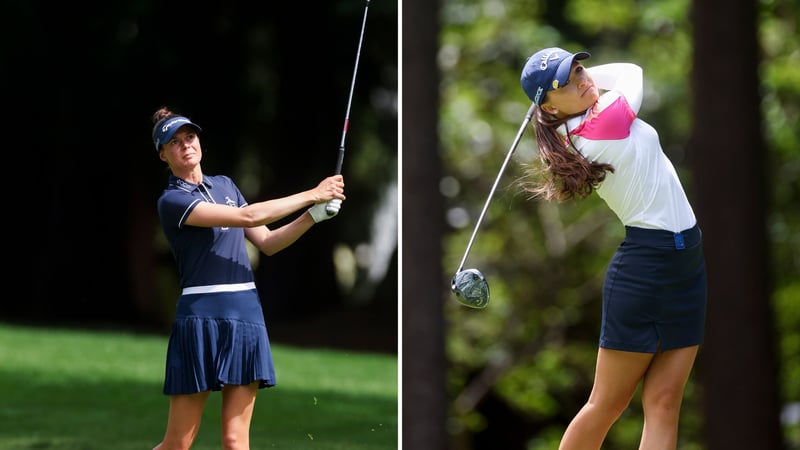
x,y
330,188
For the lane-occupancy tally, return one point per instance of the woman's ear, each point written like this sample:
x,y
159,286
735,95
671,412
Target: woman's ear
x,y
548,108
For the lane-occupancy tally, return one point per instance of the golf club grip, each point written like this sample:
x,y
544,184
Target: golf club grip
x,y
339,161
338,171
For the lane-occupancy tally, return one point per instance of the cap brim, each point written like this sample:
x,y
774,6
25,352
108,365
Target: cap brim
x,y
565,67
166,128
171,133
168,135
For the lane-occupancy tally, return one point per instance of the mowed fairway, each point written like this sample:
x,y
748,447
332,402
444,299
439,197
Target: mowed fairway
x,y
90,390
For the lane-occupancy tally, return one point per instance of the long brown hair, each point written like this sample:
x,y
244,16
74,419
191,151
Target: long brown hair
x,y
562,173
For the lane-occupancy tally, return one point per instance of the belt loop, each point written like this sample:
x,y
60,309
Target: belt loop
x,y
679,242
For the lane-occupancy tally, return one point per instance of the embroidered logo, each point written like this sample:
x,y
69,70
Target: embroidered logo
x,y
538,95
169,124
229,202
185,185
549,56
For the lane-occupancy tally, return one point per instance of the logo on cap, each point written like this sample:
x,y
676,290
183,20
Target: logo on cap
x,y
546,57
538,94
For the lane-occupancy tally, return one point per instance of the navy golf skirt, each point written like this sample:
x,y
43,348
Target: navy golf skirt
x,y
217,339
654,294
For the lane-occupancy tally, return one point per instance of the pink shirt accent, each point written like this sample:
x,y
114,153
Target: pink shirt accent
x,y
612,123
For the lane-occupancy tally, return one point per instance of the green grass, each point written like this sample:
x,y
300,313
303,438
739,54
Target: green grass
x,y
90,390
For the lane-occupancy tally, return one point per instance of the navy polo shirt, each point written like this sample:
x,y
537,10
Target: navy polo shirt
x,y
205,256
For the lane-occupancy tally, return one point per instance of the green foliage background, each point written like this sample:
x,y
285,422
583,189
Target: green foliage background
x,y
534,346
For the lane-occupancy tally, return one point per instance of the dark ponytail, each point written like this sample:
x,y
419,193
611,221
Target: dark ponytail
x,y
563,173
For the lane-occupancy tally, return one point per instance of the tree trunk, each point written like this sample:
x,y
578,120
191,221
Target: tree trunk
x,y
737,364
424,399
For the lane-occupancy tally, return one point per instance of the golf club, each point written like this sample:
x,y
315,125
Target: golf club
x,y
340,159
470,286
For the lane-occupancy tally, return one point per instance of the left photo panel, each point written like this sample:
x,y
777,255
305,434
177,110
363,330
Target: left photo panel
x,y
216,248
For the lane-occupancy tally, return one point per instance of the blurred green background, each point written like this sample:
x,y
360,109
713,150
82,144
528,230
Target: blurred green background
x,y
722,87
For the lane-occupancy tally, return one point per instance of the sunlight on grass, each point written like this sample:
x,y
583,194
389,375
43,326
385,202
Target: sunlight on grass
x,y
84,389
325,369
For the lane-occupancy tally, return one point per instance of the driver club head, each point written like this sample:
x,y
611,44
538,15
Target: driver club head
x,y
471,288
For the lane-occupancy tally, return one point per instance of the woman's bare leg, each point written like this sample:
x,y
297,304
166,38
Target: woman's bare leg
x,y
185,412
617,375
662,394
237,411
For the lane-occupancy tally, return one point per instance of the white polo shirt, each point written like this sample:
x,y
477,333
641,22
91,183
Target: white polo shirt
x,y
644,191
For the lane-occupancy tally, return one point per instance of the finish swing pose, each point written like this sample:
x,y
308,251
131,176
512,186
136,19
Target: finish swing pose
x,y
654,293
219,338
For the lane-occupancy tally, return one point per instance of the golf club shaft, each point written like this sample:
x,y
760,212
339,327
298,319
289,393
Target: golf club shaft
x,y
340,157
525,122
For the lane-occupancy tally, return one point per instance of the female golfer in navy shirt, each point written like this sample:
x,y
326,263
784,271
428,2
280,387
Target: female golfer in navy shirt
x,y
219,339
654,293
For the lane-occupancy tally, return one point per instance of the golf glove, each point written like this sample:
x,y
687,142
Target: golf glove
x,y
319,211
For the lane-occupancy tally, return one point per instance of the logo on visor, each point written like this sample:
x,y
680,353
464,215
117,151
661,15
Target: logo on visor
x,y
172,122
164,130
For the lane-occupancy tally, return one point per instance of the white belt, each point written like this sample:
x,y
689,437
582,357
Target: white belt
x,y
235,287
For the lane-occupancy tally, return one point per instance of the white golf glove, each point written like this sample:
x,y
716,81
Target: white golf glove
x,y
325,210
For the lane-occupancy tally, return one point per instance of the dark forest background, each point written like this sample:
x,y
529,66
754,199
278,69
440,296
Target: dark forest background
x,y
268,82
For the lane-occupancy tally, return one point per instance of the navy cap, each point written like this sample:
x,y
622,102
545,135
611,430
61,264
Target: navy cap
x,y
547,70
166,128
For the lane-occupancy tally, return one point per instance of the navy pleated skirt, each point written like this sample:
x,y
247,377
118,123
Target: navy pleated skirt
x,y
218,339
654,294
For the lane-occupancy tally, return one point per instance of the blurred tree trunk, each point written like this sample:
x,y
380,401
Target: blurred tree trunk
x,y
423,368
737,364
